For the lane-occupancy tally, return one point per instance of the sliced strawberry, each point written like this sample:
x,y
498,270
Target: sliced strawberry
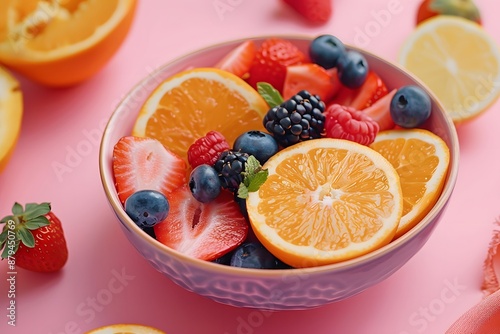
x,y
202,230
360,98
380,111
271,61
239,60
313,78
144,163
316,11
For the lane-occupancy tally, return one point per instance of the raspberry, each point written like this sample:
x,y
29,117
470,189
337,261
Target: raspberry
x,y
348,123
207,149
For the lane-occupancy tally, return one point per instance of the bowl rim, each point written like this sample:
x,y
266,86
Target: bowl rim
x,y
116,205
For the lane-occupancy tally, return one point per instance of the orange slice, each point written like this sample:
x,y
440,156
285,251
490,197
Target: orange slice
x,y
189,104
458,60
326,201
11,111
60,43
421,159
126,329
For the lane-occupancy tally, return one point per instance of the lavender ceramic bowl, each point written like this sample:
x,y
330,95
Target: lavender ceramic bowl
x,y
289,289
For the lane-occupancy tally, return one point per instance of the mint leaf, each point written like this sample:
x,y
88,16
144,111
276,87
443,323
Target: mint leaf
x,y
242,191
269,94
253,177
257,180
252,166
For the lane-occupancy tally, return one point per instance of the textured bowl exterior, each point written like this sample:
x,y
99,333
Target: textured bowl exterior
x,y
289,289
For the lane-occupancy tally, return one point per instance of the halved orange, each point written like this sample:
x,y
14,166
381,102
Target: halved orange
x,y
11,112
126,329
61,43
191,103
421,159
325,201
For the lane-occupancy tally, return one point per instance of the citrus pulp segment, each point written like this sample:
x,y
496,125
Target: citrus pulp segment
x,y
458,61
325,201
60,43
191,103
11,111
421,159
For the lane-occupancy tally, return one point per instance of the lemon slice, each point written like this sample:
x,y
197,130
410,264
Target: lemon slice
x,y
458,61
11,111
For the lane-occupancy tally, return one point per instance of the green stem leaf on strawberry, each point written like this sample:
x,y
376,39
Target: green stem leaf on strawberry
x,y
25,237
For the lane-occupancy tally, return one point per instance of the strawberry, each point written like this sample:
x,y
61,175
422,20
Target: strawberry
x,y
271,61
380,111
239,60
145,164
202,230
363,97
33,237
311,77
316,11
463,8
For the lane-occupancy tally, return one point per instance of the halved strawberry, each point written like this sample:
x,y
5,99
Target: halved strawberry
x,y
380,111
144,163
202,230
271,61
239,60
313,78
363,97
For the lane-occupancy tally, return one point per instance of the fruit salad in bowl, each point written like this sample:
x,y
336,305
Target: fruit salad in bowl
x,y
279,172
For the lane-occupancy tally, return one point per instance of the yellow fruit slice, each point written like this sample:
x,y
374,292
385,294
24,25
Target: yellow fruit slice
x,y
126,329
458,61
421,159
325,201
189,104
11,112
60,43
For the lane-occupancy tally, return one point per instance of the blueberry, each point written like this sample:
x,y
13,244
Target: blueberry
x,y
325,50
352,69
204,183
257,143
242,203
410,106
253,255
224,259
147,208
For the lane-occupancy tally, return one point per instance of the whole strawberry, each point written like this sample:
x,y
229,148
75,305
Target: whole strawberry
x,y
34,238
315,11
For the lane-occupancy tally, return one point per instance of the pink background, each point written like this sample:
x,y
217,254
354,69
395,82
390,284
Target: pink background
x,y
64,126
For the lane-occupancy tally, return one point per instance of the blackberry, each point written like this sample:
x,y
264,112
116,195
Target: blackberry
x,y
230,166
296,119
